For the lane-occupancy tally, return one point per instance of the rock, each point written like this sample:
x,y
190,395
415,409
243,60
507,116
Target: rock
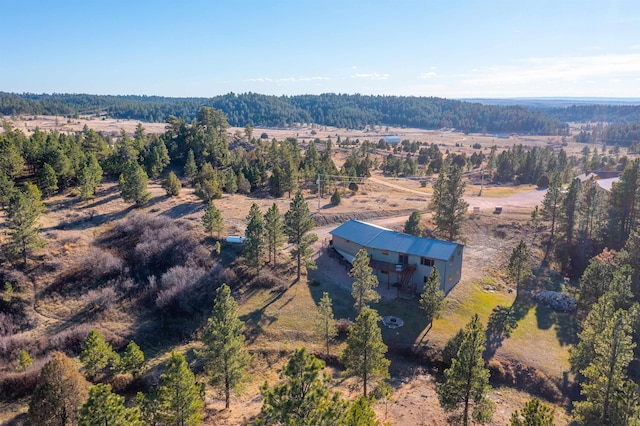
x,y
556,301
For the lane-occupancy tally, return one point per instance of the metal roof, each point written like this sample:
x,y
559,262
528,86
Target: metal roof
x,y
377,237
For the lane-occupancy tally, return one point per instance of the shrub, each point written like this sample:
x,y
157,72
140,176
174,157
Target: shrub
x,y
353,187
342,327
543,182
336,198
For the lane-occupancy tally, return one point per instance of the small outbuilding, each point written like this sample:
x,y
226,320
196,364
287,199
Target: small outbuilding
x,y
391,140
398,259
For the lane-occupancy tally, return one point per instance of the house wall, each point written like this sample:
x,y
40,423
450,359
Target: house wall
x,y
450,270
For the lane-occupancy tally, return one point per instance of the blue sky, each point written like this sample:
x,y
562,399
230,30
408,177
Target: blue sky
x,y
445,48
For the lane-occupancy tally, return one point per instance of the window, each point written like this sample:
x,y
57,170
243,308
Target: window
x,y
451,260
383,272
385,253
426,261
450,278
403,259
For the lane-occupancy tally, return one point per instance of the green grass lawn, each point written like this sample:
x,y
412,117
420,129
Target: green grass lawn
x,y
284,318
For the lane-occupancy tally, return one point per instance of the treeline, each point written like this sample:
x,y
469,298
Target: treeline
x,y
622,134
596,113
340,110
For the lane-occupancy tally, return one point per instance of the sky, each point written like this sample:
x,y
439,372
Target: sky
x,y
443,48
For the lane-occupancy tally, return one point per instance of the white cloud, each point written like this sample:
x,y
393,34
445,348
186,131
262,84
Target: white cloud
x,y
371,76
561,69
286,79
426,75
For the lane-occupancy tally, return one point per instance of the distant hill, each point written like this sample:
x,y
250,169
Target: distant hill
x,y
605,110
348,111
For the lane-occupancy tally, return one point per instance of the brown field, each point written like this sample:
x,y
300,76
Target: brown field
x,y
71,228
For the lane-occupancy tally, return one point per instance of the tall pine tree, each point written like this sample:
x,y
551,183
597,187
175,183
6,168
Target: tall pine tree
x,y
298,224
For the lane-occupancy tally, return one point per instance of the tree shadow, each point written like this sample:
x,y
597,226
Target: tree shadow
x,y
183,209
502,321
258,319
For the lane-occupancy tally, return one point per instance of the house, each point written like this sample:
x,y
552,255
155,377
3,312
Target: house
x,y
398,259
604,179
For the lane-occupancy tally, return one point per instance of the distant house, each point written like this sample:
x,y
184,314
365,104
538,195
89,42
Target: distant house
x,y
603,178
391,140
398,259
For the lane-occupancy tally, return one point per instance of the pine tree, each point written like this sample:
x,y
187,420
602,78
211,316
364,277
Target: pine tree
x,y
412,225
224,355
432,298
212,219
360,413
304,397
253,246
581,354
89,177
297,226
326,326
156,157
534,413
364,281
274,233
24,360
190,168
467,380
48,180
364,356
172,185
59,393
24,210
518,268
624,205
336,199
606,375
552,204
96,353
133,184
7,187
107,408
132,360
448,203
180,396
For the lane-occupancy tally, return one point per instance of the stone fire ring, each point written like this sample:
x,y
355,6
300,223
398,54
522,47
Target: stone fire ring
x,y
392,322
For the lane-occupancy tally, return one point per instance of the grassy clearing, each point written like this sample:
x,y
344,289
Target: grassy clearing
x,y
498,191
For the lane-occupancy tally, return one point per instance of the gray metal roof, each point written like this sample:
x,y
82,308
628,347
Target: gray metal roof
x,y
377,237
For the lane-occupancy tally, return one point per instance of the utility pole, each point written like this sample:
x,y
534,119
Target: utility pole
x,y
318,183
481,182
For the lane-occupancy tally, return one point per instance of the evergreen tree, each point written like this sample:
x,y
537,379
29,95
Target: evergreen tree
x,y
172,185
552,204
581,354
23,211
534,413
364,281
412,225
447,203
364,355
253,246
432,298
224,355
624,205
212,219
156,157
133,184
89,177
326,326
304,397
467,380
335,197
106,408
59,393
274,233
149,405
24,360
606,375
96,353
360,413
132,360
298,224
7,186
180,396
518,268
190,168
48,180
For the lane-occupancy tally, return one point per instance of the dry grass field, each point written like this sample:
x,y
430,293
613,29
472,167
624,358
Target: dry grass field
x,y
280,319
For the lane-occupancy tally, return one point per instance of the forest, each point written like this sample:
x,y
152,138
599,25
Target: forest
x,y
175,283
340,110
